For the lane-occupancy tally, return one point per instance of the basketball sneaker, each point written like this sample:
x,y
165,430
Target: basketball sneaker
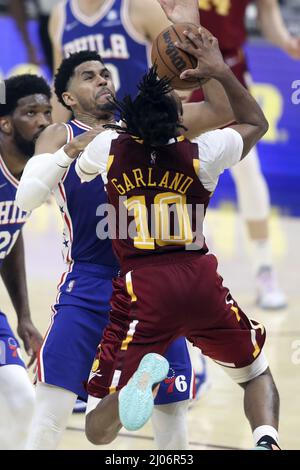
x,y
269,294
136,399
79,407
267,443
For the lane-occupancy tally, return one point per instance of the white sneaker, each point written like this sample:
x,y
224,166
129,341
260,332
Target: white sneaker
x,y
269,294
79,407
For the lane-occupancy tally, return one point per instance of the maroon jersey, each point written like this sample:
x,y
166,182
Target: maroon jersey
x,y
225,19
159,199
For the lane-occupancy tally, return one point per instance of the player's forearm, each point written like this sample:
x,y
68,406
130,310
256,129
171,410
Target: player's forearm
x,y
271,23
18,12
14,278
245,108
86,167
212,113
216,98
41,176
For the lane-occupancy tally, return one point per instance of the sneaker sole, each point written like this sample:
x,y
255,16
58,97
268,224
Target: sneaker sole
x,y
136,398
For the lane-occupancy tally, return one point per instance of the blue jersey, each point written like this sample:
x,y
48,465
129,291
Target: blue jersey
x,y
79,205
11,217
124,51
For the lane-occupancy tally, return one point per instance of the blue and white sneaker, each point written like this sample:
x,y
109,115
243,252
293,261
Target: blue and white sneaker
x,y
136,399
79,407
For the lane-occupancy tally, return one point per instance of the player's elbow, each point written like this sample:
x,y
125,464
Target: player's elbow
x,y
31,194
265,126
262,127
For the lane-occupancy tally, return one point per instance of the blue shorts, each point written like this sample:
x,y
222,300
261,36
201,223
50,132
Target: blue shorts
x,y
10,352
180,383
76,327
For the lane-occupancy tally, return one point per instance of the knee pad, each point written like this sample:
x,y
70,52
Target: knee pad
x,y
245,374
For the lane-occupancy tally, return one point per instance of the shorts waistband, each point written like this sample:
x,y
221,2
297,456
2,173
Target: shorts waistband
x,y
165,258
98,269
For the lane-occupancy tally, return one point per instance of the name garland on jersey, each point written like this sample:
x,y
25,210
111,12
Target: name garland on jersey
x,y
116,49
138,179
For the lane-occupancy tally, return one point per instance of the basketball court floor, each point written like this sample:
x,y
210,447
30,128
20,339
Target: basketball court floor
x,y
216,420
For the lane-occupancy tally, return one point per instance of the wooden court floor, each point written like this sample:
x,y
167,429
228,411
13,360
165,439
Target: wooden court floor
x,y
216,420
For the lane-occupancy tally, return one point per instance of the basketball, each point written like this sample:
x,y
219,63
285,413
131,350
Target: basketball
x,y
170,60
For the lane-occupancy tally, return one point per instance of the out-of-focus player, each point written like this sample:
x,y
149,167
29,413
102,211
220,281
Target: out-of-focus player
x,y
159,181
24,116
226,20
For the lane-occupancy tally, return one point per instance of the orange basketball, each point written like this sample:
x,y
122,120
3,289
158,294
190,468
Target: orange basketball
x,y
170,60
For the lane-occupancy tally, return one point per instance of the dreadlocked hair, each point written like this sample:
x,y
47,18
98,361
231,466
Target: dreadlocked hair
x,y
153,115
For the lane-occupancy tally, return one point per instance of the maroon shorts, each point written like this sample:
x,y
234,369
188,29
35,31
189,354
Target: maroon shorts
x,y
155,304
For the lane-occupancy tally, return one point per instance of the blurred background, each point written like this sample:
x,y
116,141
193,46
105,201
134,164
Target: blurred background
x,y
25,47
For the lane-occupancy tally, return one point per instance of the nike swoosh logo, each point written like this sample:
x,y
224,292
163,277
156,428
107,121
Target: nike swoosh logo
x,y
71,26
2,185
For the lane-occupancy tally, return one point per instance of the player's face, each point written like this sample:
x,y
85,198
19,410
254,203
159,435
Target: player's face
x,y
30,118
92,88
178,101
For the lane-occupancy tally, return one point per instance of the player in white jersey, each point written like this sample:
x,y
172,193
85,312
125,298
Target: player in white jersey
x,y
24,116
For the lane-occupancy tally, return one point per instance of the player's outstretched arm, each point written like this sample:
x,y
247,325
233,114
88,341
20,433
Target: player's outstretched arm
x,y
14,278
274,29
59,112
45,170
215,111
17,9
252,124
94,160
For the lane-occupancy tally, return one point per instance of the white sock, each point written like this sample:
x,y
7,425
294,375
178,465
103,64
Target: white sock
x,y
53,408
169,423
262,254
264,430
17,398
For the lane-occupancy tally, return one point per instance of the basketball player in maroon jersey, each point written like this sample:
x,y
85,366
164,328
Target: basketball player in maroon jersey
x,y
168,284
226,20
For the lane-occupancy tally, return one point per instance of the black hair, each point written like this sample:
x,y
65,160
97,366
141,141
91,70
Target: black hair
x,y
66,71
153,115
21,86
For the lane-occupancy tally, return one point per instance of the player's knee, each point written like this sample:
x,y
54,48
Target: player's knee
x,y
22,400
243,375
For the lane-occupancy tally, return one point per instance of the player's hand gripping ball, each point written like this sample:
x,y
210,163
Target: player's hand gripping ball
x,y
171,61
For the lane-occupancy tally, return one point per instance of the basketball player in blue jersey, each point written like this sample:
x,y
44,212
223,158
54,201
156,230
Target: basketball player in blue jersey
x,y
121,31
84,85
24,116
